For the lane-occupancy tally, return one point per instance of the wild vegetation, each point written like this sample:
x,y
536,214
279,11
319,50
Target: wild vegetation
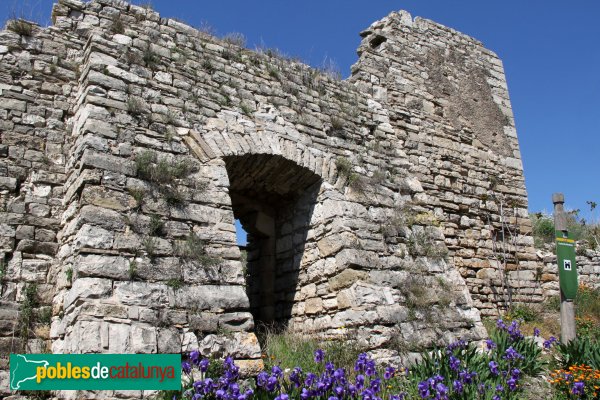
x,y
298,368
585,231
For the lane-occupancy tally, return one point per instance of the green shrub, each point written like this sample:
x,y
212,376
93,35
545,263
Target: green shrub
x,y
149,245
581,350
344,166
246,109
20,26
235,38
133,270
273,72
156,225
422,243
173,196
543,229
150,58
162,171
138,195
337,127
587,302
3,268
45,315
522,312
135,106
26,312
194,250
117,26
175,283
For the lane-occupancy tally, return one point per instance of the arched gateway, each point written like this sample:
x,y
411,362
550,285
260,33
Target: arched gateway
x,y
131,143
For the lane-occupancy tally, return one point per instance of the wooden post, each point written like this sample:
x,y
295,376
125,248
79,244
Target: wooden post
x,y
567,306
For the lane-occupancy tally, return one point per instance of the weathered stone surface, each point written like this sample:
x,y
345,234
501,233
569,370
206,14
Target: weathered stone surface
x,y
141,294
88,288
93,237
210,297
95,265
346,278
129,177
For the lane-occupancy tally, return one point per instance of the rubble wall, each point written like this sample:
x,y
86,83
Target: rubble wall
x,y
447,104
131,143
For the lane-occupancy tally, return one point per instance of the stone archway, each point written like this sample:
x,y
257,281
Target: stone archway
x,y
274,200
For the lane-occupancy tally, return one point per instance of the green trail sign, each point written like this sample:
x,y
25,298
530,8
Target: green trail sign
x,y
567,270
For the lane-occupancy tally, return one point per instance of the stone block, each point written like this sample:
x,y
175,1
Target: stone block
x,y
104,266
88,288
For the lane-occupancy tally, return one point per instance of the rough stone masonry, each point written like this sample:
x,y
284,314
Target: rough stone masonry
x,y
389,208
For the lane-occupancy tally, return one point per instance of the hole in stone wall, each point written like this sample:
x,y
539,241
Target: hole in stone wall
x,y
273,199
376,41
240,234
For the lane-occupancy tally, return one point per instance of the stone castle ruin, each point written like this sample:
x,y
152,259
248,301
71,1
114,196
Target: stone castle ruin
x,y
390,206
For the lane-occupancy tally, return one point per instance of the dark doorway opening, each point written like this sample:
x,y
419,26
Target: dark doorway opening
x,y
273,198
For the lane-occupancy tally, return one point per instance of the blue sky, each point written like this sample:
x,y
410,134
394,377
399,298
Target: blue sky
x,y
550,50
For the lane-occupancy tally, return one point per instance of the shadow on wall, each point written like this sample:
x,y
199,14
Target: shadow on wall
x,y
274,199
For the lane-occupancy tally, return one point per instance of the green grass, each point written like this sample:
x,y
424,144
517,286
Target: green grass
x,y
290,350
194,250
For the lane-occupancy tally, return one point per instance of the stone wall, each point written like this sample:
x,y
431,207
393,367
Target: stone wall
x,y
130,143
588,270
448,114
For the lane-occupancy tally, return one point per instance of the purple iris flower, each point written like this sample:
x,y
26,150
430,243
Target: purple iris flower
x,y
376,385
319,355
186,367
514,331
536,332
512,384
195,356
458,387
272,383
466,376
490,344
548,343
310,379
389,373
423,388
512,354
261,379
360,381
203,364
368,394
578,388
352,390
441,391
500,324
368,366
454,363
305,394
296,377
277,371
493,368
